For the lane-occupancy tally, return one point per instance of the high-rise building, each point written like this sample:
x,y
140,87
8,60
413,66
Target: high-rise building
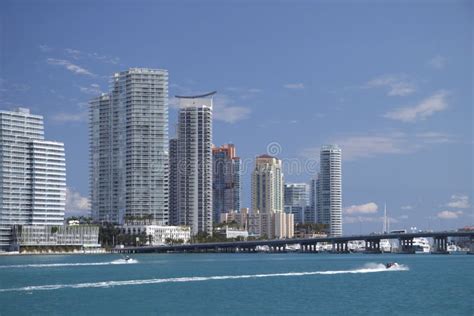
x,y
267,185
226,180
129,148
313,201
173,181
330,189
296,201
193,195
32,174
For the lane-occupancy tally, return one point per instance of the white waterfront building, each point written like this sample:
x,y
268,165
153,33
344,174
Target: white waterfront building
x,y
329,205
157,234
129,148
192,161
32,174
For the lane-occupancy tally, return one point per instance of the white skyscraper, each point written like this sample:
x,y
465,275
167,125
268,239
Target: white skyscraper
x,y
129,148
329,204
32,174
267,185
192,200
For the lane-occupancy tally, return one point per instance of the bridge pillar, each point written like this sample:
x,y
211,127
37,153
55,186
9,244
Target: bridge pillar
x,y
406,245
372,246
441,245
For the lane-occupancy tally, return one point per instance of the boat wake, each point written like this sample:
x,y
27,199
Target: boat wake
x,y
55,265
368,268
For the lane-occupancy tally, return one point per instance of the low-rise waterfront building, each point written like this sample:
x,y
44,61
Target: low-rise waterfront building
x,y
232,233
158,234
35,236
241,218
271,225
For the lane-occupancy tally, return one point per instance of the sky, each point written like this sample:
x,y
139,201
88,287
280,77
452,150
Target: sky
x,y
389,82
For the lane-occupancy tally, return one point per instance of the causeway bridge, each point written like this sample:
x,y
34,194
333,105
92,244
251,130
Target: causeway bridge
x,y
339,244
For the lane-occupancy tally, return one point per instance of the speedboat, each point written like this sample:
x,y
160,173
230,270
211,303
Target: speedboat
x,y
127,258
389,265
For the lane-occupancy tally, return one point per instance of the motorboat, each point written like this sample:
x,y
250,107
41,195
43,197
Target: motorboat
x,y
390,265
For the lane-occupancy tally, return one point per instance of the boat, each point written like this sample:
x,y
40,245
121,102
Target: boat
x,y
421,245
456,250
293,247
385,246
390,265
262,248
127,258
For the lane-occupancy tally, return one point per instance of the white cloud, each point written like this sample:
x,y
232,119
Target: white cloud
x,y
368,208
398,86
223,109
76,203
354,147
367,146
435,138
93,89
407,207
375,144
427,107
295,86
229,114
449,214
69,66
459,201
70,117
437,62
77,54
45,48
403,217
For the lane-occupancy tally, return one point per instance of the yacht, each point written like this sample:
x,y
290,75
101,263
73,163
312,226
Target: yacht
x,y
421,245
456,250
293,247
385,246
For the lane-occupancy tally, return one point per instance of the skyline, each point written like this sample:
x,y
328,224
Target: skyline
x,y
334,79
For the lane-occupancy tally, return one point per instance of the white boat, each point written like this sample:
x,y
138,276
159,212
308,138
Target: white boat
x,y
356,246
385,245
456,250
262,248
293,247
421,245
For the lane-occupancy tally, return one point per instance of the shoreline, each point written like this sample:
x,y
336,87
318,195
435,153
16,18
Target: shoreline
x,y
7,254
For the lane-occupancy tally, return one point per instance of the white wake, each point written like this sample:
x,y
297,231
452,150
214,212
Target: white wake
x,y
54,265
368,268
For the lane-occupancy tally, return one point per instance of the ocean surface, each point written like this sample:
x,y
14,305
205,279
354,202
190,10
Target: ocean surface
x,y
237,284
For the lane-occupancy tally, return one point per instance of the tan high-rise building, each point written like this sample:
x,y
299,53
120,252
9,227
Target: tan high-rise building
x,y
267,185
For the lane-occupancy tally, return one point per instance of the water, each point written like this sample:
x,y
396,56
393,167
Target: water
x,y
235,284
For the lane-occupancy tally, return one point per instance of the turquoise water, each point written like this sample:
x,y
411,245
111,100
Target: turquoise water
x,y
236,284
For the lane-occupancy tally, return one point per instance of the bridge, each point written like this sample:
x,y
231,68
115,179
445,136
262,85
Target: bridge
x,y
339,244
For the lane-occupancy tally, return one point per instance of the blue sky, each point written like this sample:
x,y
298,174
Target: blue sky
x,y
390,82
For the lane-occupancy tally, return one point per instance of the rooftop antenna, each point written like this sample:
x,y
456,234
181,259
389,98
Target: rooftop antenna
x,y
385,218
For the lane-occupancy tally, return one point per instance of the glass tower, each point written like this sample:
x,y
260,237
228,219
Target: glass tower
x,y
226,180
330,189
32,174
129,148
192,156
296,201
